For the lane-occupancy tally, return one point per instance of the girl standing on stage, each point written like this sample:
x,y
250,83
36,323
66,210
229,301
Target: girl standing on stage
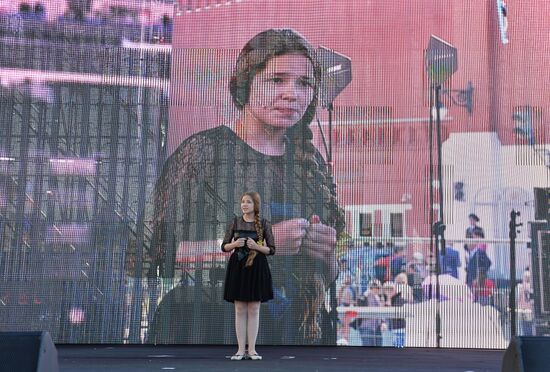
x,y
248,278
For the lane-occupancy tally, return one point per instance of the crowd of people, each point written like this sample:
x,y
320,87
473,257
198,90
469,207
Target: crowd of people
x,y
389,276
157,28
379,276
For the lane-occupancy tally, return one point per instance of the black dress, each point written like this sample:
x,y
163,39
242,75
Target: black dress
x,y
251,283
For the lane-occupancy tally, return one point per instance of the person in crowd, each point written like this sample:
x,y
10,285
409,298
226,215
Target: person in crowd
x,y
369,329
474,228
361,276
483,289
346,292
449,262
275,86
526,308
28,12
398,261
368,257
476,259
417,271
393,298
402,286
382,262
39,12
344,270
25,11
76,12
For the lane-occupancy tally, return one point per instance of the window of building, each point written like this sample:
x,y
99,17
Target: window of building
x,y
365,224
396,225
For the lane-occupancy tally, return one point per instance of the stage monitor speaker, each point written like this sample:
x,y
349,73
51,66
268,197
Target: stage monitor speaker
x,y
27,352
527,354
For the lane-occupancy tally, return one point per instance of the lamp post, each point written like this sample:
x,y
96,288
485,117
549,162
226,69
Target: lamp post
x,y
462,97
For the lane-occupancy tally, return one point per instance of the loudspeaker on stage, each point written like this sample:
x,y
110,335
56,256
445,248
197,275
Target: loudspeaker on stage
x,y
27,352
527,354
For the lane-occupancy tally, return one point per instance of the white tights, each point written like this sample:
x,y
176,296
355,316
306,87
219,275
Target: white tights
x,y
247,320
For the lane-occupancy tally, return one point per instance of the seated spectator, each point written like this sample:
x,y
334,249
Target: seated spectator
x,y
416,273
402,286
420,264
369,329
395,325
346,293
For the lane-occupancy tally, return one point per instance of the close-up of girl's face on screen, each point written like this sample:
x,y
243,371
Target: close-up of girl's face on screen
x,y
281,93
247,204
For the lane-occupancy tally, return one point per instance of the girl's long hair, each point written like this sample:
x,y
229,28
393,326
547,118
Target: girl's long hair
x,y
257,223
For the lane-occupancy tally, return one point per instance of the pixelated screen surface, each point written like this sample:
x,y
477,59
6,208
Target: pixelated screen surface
x,y
388,142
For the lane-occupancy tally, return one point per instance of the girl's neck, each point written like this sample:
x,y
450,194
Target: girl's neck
x,y
248,217
264,138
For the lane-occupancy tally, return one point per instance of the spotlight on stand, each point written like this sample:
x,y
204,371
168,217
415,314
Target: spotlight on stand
x,y
441,63
335,76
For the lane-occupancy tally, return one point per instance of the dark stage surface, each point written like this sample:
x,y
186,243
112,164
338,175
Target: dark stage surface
x,y
137,358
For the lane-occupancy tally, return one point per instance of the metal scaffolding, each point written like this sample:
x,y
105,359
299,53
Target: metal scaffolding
x,y
83,122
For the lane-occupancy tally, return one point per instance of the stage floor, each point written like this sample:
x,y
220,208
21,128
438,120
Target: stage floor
x,y
137,358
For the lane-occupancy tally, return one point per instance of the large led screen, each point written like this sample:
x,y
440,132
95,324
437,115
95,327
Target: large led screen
x,y
394,146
